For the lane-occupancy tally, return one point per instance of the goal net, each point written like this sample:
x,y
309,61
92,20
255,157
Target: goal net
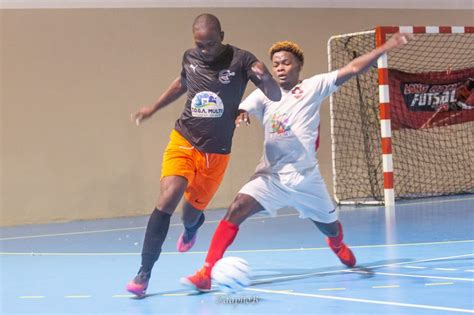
x,y
405,128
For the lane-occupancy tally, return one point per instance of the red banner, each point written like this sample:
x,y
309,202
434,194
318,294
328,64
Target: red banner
x,y
432,99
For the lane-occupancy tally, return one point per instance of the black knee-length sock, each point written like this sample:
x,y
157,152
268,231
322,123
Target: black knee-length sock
x,y
155,235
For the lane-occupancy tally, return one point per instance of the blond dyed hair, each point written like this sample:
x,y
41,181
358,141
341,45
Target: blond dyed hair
x,y
287,46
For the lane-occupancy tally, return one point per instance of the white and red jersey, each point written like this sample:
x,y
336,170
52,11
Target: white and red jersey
x,y
291,125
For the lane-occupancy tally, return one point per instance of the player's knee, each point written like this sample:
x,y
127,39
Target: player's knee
x,y
168,202
166,205
171,191
235,213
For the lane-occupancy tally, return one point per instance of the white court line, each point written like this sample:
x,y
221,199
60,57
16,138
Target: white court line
x,y
123,296
432,202
445,269
468,270
412,244
421,260
132,228
321,273
330,297
32,297
259,217
68,254
385,286
301,249
354,270
413,267
70,233
416,276
330,289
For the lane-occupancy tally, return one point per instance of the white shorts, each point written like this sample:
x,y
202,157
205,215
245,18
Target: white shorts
x,y
304,191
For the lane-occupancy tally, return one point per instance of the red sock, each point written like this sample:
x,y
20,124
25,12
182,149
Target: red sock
x,y
223,236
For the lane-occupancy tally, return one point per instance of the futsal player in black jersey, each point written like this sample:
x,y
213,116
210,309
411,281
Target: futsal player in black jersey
x,y
214,76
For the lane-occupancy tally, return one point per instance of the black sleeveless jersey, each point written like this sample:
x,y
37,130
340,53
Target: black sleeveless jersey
x,y
214,93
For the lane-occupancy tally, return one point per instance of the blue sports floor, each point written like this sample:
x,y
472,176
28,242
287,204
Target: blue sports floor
x,y
418,259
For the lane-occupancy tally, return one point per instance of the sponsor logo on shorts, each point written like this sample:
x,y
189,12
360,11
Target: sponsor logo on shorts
x,y
224,76
199,201
207,104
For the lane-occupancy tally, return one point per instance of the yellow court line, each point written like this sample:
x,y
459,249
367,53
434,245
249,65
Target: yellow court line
x,y
439,283
175,294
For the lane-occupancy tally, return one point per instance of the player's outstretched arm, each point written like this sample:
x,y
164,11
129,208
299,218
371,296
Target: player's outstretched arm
x,y
173,92
363,63
266,83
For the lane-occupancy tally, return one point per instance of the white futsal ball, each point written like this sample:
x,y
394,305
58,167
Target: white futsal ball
x,y
231,274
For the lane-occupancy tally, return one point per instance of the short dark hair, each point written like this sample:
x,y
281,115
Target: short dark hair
x,y
208,20
287,46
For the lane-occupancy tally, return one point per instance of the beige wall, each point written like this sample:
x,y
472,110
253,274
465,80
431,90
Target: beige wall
x,y
71,78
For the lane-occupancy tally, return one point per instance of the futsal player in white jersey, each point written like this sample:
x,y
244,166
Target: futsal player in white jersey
x,y
288,173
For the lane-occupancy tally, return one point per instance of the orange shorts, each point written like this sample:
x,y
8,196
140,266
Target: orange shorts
x,y
204,171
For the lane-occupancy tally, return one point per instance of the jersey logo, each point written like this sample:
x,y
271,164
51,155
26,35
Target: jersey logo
x,y
224,76
280,125
207,105
297,92
194,67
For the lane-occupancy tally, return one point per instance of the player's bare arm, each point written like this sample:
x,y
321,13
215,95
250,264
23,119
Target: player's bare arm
x,y
363,63
173,92
266,83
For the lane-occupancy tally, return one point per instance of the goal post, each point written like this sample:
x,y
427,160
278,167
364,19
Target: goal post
x,y
402,130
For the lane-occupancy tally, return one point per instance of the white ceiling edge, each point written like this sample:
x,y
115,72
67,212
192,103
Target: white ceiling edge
x,y
369,4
